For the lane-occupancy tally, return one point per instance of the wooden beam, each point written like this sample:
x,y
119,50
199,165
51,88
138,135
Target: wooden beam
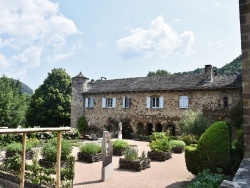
x,y
32,130
23,161
58,159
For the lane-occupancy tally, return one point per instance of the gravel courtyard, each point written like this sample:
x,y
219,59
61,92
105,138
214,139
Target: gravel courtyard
x,y
169,174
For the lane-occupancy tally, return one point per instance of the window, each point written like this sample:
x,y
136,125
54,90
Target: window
x,y
155,102
125,102
183,102
225,102
89,102
108,102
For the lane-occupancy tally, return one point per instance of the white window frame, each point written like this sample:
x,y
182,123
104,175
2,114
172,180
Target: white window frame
x,y
89,102
108,102
155,102
125,102
183,102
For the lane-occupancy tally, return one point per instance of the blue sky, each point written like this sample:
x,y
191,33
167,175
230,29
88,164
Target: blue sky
x,y
115,38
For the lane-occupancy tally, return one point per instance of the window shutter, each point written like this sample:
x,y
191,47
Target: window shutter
x,y
161,100
128,102
180,102
123,102
114,103
185,102
148,102
86,102
91,102
103,103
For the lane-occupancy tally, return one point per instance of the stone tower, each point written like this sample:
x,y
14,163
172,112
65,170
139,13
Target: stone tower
x,y
79,84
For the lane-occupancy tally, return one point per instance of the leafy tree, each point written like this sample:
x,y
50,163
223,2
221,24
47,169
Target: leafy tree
x,y
193,122
50,104
159,73
13,104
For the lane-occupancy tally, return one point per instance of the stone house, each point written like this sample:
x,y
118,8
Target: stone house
x,y
154,103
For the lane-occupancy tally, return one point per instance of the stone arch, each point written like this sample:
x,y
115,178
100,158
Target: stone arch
x,y
140,128
158,127
171,129
149,129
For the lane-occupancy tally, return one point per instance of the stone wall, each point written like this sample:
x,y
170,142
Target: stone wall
x,y
209,101
245,46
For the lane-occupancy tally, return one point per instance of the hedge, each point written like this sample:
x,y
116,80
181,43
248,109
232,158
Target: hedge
x,y
213,150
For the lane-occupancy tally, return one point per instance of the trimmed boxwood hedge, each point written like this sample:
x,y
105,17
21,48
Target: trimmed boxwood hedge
x,y
213,150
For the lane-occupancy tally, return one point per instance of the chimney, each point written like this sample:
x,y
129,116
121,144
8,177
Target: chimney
x,y
209,73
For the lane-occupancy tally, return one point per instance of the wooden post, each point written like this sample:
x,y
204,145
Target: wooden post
x,y
23,161
58,163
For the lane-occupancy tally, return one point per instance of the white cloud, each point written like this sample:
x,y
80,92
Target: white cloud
x,y
159,39
30,31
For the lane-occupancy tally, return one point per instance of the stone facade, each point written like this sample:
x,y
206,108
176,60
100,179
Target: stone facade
x,y
204,92
208,101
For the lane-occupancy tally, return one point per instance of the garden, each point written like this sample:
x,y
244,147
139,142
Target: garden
x,y
210,153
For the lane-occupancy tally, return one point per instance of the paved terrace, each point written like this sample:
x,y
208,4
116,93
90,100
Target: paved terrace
x,y
169,174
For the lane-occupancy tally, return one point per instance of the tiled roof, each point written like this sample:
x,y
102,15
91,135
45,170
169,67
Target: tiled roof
x,y
172,82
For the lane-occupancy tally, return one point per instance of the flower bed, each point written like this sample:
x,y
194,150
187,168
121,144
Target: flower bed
x,y
49,164
159,155
89,158
137,165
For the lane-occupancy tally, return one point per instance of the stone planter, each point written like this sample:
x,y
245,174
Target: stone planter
x,y
137,165
29,154
89,158
159,156
177,150
118,151
49,164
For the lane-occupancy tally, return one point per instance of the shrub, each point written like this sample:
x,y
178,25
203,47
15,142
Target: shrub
x,y
120,144
177,144
157,135
192,158
189,139
91,148
33,142
236,115
207,179
82,125
131,154
17,147
237,150
160,145
213,150
72,134
194,123
49,150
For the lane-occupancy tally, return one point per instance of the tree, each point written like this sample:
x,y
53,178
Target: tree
x,y
159,73
50,104
13,104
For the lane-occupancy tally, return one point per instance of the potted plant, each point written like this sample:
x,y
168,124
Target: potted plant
x,y
177,146
160,149
49,153
119,147
15,148
90,152
131,161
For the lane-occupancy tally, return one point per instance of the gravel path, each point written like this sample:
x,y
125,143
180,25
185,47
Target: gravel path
x,y
169,174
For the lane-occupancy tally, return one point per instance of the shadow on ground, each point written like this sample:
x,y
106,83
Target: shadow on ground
x,y
180,184
88,182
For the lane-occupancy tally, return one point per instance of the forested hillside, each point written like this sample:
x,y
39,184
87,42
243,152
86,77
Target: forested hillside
x,y
231,68
24,88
